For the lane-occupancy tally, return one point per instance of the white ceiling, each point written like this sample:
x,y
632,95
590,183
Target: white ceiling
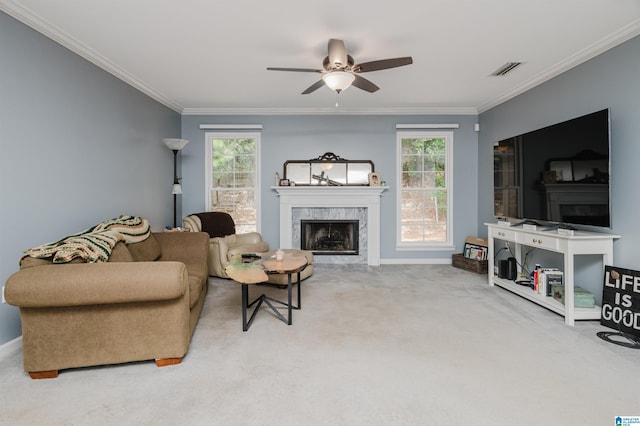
x,y
210,56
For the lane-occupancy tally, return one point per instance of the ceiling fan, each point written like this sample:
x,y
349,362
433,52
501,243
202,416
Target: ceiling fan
x,y
340,70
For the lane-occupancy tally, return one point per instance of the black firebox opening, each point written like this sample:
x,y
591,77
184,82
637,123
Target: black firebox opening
x,y
330,237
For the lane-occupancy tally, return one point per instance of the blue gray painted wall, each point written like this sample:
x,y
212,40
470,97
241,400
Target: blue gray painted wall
x,y
610,80
353,137
78,146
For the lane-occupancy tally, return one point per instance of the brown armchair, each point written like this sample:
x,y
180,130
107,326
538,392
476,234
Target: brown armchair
x,y
224,242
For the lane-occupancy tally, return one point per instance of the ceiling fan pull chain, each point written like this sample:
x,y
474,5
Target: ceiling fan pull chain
x,y
337,99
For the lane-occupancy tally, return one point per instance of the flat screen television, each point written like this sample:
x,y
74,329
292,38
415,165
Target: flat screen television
x,y
557,175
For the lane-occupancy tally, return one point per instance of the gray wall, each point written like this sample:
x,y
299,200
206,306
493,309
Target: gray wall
x,y
607,81
352,137
78,146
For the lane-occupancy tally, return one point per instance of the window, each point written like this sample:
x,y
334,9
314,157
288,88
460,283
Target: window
x,y
424,193
232,184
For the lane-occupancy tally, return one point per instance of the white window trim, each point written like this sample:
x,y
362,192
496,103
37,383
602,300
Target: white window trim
x,y
207,160
425,246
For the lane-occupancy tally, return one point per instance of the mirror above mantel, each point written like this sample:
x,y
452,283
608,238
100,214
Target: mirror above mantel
x,y
328,169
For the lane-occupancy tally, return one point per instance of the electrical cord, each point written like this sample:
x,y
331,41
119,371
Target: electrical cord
x,y
633,342
495,256
523,266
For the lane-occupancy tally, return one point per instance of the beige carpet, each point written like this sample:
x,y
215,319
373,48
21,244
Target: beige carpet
x,y
391,345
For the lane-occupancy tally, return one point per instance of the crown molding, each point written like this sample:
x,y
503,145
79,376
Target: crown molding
x,y
329,111
32,20
612,40
35,22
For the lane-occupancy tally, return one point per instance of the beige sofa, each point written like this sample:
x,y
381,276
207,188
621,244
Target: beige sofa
x,y
143,304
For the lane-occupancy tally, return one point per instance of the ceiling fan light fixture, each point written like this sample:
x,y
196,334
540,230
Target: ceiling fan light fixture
x,y
338,80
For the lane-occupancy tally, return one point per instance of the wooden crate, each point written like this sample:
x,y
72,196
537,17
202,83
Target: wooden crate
x,y
478,266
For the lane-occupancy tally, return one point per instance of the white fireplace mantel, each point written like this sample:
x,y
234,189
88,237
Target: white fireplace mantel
x,y
332,196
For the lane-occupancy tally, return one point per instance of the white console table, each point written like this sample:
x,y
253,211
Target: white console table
x,y
580,243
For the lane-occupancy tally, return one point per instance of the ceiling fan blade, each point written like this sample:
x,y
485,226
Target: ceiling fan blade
x,y
293,69
383,64
364,84
337,53
315,86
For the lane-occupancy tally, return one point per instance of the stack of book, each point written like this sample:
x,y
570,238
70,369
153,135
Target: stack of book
x,y
475,248
474,256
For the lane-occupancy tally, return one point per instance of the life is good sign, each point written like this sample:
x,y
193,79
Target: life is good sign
x,y
621,300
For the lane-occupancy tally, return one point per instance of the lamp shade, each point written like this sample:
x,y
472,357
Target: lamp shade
x,y
175,144
177,189
338,80
326,166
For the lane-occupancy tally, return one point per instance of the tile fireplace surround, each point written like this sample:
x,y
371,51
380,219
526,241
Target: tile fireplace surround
x,y
362,200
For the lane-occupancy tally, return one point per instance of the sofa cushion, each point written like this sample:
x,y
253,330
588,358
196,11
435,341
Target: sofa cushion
x,y
198,278
30,262
145,251
120,253
195,290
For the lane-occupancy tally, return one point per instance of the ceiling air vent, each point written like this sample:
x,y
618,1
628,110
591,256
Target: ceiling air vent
x,y
505,69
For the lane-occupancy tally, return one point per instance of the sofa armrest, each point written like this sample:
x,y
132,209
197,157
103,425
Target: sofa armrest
x,y
250,242
247,248
96,284
248,238
192,223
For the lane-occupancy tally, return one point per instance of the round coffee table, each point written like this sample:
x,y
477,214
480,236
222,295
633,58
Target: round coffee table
x,y
255,273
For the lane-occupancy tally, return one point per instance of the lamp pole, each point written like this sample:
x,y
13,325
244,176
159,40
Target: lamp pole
x,y
175,145
175,182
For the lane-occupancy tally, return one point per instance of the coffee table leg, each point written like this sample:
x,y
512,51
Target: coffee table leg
x,y
289,298
245,302
299,298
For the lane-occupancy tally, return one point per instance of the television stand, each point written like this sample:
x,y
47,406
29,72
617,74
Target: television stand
x,y
580,243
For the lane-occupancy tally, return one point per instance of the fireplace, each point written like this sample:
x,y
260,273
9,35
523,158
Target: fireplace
x,y
360,203
330,237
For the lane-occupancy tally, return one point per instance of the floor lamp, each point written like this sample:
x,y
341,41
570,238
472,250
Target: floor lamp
x,y
175,145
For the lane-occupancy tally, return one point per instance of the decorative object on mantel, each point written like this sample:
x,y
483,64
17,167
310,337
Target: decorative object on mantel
x,y
322,179
374,179
328,169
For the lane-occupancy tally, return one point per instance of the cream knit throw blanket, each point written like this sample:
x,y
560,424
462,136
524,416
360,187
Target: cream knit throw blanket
x,y
96,243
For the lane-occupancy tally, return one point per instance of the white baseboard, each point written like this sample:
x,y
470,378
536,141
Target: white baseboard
x,y
11,347
446,261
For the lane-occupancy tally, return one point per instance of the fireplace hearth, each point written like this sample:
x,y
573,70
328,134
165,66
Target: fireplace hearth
x,y
330,237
